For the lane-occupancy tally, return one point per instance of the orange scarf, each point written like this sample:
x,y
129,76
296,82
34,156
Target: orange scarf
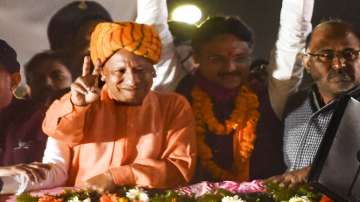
x,y
241,124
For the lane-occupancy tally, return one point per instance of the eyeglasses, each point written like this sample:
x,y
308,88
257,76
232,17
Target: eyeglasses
x,y
328,56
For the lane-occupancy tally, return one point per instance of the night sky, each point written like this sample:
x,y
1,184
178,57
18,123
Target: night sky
x,y
263,15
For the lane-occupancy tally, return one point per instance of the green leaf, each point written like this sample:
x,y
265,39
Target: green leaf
x,y
26,197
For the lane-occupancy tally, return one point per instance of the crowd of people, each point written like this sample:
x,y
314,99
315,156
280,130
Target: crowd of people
x,y
120,103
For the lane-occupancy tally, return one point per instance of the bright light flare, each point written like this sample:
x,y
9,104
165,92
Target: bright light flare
x,y
187,13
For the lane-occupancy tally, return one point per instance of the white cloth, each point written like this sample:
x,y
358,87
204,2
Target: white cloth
x,y
285,72
285,66
168,70
57,155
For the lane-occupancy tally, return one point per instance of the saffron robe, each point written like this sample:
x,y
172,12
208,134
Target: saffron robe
x,y
151,145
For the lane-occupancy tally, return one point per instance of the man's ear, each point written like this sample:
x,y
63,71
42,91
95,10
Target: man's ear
x,y
102,72
102,76
306,62
195,59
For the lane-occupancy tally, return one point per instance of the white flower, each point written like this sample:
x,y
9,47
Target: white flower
x,y
299,199
87,200
137,194
232,199
76,199
143,197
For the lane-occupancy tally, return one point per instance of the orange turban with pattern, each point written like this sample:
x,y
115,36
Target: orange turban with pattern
x,y
140,39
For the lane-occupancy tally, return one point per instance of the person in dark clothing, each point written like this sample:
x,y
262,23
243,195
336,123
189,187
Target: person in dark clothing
x,y
266,159
22,139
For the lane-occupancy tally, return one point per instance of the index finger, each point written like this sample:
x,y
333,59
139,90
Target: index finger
x,y
86,68
97,68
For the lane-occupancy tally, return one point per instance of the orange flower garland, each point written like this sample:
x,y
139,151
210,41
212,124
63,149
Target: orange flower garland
x,y
242,121
112,198
50,199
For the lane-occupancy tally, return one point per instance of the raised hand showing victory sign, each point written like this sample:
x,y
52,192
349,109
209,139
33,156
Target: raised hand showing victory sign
x,y
85,90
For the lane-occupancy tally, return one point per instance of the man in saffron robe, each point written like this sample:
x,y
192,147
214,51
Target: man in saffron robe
x,y
121,133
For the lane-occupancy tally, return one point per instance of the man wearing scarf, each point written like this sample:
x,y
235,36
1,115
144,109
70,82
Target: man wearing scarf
x,y
121,133
239,129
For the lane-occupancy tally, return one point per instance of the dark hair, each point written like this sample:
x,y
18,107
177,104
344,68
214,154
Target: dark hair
x,y
8,57
181,31
222,25
335,22
39,58
66,22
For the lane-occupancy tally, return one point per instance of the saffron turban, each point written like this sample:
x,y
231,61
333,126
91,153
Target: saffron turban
x,y
140,39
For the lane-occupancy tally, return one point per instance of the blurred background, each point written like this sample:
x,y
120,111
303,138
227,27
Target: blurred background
x,y
24,22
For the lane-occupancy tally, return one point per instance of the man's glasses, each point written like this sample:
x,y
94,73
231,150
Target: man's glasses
x,y
328,56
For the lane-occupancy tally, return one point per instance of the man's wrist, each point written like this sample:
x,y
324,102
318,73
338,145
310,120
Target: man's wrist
x,y
109,176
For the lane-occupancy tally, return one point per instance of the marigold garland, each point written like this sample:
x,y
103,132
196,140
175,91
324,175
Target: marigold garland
x,y
242,121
